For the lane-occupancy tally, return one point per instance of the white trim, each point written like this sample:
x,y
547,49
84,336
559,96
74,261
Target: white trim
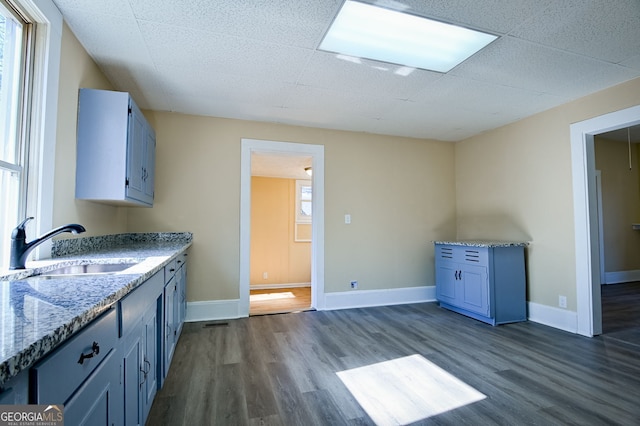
x,y
618,277
368,298
553,317
317,228
589,308
600,225
44,114
212,310
276,286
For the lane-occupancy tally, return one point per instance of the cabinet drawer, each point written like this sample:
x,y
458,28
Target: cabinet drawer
x,y
463,254
57,377
170,270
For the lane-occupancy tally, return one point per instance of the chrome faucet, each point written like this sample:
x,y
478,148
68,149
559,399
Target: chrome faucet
x,y
20,248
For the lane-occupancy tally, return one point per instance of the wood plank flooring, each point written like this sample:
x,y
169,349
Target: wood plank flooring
x,y
279,300
283,370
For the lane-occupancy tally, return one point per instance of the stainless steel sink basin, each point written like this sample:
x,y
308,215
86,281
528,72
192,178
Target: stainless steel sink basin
x,y
92,269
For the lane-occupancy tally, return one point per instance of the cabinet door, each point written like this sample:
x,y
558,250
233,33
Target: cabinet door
x,y
169,321
149,361
132,362
136,154
446,281
149,167
183,294
97,401
475,289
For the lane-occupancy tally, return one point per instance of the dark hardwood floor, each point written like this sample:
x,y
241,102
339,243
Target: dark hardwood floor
x,y
282,370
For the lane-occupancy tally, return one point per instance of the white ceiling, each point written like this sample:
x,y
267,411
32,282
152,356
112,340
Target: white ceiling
x,y
258,60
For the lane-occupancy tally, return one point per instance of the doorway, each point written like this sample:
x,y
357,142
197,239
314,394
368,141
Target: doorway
x,y
316,154
587,245
281,222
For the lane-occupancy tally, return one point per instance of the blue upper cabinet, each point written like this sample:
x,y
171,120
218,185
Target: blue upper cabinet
x,y
116,150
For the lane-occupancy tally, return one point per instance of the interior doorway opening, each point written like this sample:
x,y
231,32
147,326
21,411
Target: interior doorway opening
x,y
315,153
587,240
281,238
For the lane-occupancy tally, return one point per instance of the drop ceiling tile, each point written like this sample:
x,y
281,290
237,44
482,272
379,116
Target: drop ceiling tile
x,y
338,103
191,48
117,39
301,23
111,7
529,66
632,62
602,29
485,97
496,16
194,83
339,73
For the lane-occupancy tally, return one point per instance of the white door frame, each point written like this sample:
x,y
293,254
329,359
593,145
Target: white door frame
x,y
600,226
316,152
589,308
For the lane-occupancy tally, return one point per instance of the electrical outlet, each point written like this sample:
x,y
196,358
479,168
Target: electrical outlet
x,y
354,284
562,301
265,275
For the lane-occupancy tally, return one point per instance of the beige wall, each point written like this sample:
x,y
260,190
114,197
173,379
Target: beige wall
x,y
620,204
399,191
274,250
77,70
515,183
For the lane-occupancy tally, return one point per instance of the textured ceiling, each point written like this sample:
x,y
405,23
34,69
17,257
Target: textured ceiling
x,y
258,60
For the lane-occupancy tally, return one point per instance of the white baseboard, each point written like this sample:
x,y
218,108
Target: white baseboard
x,y
553,317
212,310
621,277
367,298
274,286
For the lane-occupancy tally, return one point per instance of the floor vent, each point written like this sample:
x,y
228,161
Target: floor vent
x,y
215,324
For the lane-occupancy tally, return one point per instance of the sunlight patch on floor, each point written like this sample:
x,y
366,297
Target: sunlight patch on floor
x,y
406,390
271,296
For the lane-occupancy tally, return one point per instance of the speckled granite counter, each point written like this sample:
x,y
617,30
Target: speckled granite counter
x,y
478,243
39,313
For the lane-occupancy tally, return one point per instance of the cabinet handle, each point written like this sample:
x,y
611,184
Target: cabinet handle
x,y
145,372
95,350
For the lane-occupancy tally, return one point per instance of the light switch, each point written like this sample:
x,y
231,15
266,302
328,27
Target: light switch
x,y
347,219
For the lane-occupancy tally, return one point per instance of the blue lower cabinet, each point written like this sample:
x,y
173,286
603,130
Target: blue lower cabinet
x,y
139,328
110,371
83,374
97,401
486,282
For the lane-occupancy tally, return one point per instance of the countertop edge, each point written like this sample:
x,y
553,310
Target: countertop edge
x,y
482,243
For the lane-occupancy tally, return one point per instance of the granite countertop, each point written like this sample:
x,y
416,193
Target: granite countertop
x,y
480,243
39,313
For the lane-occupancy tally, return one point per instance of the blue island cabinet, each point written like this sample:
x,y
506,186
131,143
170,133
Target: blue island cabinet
x,y
483,280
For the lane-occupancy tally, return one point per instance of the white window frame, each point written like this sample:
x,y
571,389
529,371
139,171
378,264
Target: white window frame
x,y
43,116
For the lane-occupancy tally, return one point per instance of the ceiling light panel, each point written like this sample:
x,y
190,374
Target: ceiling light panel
x,y
366,31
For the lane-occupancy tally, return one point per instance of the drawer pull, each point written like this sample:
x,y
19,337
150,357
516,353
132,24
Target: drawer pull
x,y
95,350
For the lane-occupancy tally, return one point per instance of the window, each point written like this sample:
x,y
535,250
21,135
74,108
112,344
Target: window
x,y
14,33
303,211
303,201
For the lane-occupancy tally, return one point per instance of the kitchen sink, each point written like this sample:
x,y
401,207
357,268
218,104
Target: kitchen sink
x,y
91,269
